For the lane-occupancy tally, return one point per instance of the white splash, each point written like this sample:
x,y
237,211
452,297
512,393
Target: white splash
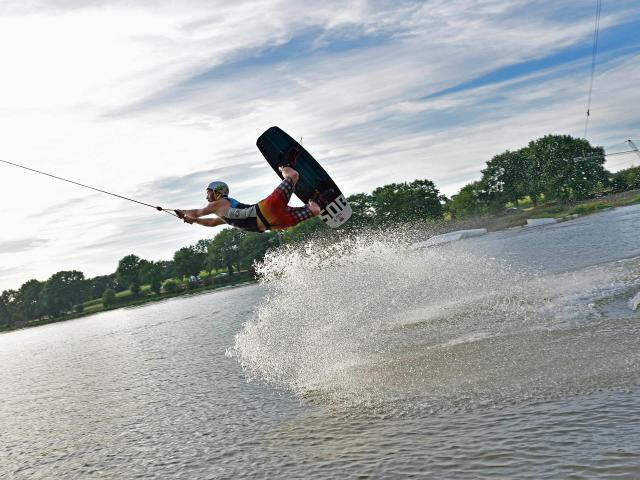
x,y
362,319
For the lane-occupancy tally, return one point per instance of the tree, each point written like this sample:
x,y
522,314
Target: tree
x,y
128,270
363,211
569,168
151,273
468,202
100,283
170,286
63,290
224,250
202,246
166,268
188,261
27,306
134,288
108,298
6,300
506,177
405,202
627,179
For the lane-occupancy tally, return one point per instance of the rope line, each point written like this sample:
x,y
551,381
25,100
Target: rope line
x,y
160,209
594,54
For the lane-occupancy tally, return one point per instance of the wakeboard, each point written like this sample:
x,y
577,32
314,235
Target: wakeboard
x,y
314,183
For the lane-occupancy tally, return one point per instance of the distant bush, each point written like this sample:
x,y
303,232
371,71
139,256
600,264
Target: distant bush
x,y
170,286
134,288
627,179
79,308
108,298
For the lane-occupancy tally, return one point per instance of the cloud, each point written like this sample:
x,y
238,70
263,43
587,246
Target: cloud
x,y
21,245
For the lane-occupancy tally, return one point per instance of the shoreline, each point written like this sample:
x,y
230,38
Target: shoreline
x,y
131,304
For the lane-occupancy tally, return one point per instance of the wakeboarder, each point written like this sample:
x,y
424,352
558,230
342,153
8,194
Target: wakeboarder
x,y
271,213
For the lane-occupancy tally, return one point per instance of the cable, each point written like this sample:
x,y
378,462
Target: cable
x,y
160,209
594,54
618,153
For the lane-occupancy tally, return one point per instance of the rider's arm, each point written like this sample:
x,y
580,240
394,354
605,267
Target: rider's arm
x,y
209,222
199,212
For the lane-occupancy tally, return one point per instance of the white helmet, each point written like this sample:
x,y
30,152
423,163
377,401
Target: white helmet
x,y
220,187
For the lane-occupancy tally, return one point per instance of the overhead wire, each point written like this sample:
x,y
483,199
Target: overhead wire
x,y
594,54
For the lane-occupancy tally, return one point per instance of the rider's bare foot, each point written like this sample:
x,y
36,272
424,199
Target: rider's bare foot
x,y
288,172
315,209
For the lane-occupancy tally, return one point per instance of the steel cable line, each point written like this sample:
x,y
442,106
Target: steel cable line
x,y
160,209
594,54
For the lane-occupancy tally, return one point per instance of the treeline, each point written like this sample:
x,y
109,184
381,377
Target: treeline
x,y
231,251
552,168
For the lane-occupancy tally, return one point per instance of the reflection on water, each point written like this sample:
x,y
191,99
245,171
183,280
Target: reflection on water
x,y
510,355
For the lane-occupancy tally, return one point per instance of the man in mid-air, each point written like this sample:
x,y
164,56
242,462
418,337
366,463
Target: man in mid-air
x,y
272,213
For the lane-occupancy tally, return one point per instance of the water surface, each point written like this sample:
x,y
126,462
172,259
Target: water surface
x,y
513,355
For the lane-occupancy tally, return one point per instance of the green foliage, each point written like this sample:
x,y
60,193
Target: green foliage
x,y
6,298
189,260
166,268
128,271
108,298
569,168
156,285
151,273
170,286
202,247
406,202
224,251
559,167
627,179
62,291
363,208
27,302
135,289
389,204
100,283
470,201
23,305
508,177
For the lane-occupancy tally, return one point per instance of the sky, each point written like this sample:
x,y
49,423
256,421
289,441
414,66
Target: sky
x,y
153,100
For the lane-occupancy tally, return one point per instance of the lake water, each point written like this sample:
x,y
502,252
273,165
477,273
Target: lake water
x,y
512,355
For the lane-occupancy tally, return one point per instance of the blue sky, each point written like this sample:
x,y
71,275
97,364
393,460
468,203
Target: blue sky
x,y
154,103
